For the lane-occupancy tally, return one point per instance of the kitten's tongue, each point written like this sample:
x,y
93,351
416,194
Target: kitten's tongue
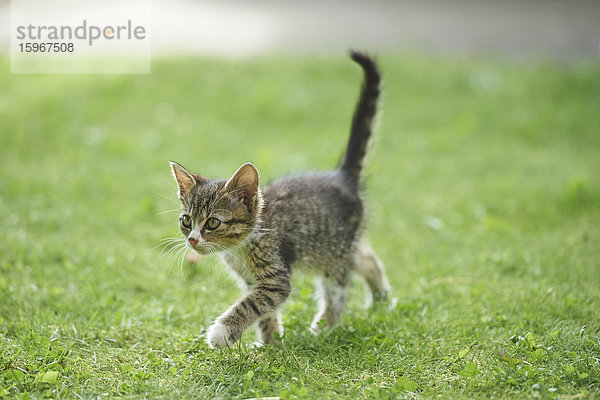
x,y
192,257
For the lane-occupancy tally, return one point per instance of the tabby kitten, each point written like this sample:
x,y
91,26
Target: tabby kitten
x,y
310,221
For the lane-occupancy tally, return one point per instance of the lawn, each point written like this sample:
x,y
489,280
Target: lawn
x,y
484,204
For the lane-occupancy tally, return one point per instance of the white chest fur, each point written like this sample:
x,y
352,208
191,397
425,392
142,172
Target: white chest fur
x,y
237,263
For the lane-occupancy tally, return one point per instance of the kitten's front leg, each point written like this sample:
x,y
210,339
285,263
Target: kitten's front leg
x,y
264,298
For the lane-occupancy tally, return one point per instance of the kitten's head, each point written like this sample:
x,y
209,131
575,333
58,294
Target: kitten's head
x,y
217,214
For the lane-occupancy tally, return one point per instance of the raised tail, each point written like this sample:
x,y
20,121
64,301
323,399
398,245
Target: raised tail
x,y
362,122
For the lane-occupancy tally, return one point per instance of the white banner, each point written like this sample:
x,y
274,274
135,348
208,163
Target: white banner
x,y
66,36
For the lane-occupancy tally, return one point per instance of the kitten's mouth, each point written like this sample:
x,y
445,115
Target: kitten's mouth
x,y
201,249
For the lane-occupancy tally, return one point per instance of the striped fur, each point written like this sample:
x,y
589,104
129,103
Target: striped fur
x,y
310,221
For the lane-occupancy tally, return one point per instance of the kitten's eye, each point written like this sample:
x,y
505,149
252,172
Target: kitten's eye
x,y
186,221
212,223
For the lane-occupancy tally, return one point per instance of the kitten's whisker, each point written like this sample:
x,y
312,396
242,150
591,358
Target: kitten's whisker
x,y
214,244
176,255
171,262
171,239
173,254
218,247
168,211
165,253
166,197
174,250
166,243
181,274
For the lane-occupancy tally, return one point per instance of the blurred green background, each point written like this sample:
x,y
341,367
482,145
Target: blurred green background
x,y
484,204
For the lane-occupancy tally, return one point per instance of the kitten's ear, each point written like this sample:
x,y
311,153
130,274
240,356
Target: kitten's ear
x,y
244,184
185,179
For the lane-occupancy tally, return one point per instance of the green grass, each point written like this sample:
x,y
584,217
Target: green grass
x,y
484,199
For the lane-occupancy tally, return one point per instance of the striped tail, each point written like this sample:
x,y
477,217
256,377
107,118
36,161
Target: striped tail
x,y
362,122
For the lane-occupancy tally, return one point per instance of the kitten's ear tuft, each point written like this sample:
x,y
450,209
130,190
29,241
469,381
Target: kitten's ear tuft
x,y
244,184
185,179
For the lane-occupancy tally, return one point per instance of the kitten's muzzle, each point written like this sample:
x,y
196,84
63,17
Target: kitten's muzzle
x,y
193,241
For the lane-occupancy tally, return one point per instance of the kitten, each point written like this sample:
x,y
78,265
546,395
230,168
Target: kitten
x,y
310,221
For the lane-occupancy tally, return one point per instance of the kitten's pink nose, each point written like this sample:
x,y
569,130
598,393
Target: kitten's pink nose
x,y
193,241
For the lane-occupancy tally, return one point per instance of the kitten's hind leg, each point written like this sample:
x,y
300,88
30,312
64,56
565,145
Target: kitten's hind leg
x,y
332,298
267,326
371,268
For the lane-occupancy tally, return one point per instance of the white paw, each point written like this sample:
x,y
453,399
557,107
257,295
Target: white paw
x,y
218,336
